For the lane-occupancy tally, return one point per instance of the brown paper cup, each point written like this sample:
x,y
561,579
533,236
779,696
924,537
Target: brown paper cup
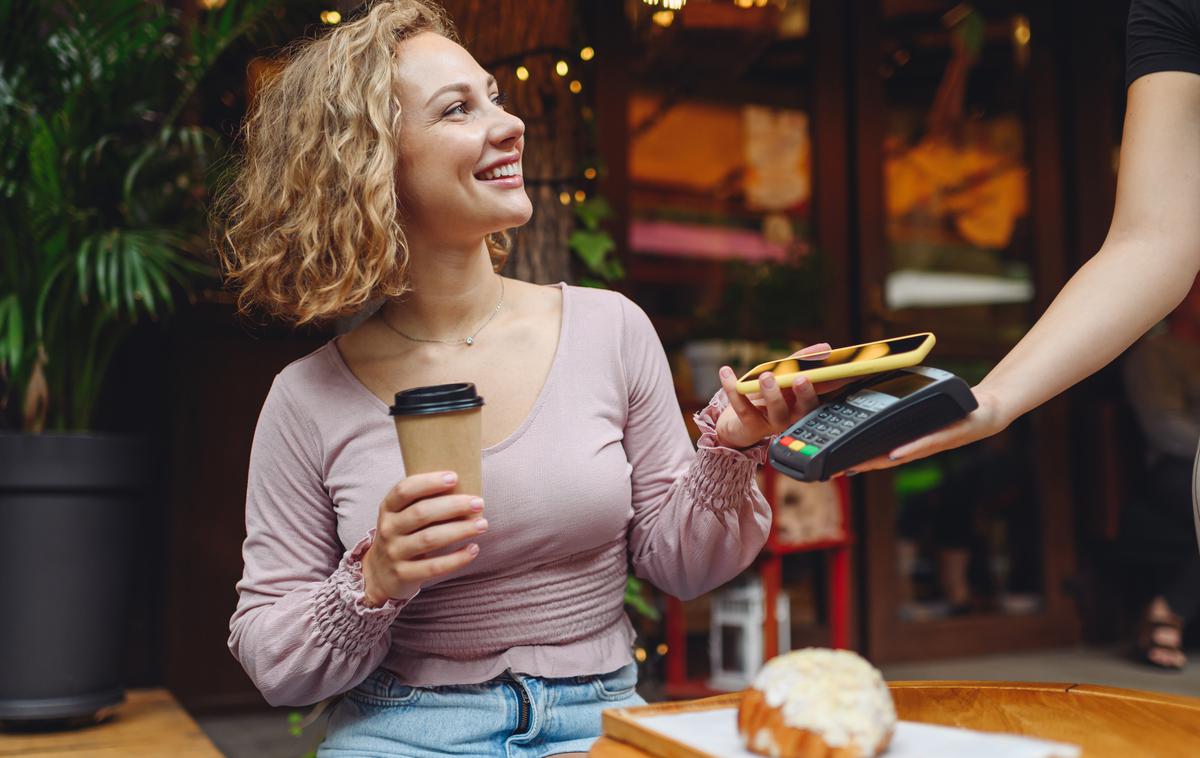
x,y
440,429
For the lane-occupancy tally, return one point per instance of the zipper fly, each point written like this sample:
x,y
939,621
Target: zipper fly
x,y
523,721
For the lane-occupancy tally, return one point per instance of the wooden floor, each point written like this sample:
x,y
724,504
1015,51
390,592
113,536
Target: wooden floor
x,y
1102,666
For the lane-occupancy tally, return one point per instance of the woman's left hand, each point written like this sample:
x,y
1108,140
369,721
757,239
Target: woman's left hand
x,y
743,423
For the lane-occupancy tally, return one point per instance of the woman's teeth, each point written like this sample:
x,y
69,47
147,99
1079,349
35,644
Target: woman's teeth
x,y
508,169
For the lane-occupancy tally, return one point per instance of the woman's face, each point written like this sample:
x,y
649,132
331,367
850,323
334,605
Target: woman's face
x,y
459,170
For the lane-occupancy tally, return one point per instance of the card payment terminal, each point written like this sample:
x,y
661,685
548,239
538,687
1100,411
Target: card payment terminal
x,y
870,418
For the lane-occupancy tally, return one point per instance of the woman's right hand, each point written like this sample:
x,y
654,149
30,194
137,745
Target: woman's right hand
x,y
418,517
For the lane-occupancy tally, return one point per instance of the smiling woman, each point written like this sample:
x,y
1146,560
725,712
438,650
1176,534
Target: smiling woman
x,y
309,229
382,163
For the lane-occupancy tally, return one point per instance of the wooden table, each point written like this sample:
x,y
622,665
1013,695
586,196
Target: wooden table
x,y
1107,722
148,723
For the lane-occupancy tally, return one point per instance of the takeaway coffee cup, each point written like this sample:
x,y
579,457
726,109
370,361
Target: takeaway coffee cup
x,y
439,429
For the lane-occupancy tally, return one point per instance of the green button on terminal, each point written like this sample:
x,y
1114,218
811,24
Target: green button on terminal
x,y
809,450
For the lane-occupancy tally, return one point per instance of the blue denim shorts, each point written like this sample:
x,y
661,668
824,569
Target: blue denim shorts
x,y
513,715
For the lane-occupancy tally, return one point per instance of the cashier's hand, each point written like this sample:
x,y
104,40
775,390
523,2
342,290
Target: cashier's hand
x,y
986,420
743,423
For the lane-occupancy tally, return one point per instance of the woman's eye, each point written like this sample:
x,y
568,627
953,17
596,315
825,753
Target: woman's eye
x,y
460,109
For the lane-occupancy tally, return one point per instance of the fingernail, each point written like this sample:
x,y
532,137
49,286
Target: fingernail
x,y
726,372
851,473
477,504
768,380
894,457
449,477
481,524
473,549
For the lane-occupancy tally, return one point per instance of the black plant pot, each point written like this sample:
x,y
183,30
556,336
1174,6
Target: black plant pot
x,y
66,503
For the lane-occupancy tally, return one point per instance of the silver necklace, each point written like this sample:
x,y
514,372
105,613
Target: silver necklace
x,y
469,340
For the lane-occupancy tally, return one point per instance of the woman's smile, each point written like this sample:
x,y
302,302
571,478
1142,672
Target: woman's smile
x,y
504,173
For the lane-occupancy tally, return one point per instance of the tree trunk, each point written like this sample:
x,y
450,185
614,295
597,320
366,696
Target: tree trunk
x,y
499,33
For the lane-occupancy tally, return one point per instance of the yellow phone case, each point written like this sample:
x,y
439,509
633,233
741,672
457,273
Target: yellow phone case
x,y
860,367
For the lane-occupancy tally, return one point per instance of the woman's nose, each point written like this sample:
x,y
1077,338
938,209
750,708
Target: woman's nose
x,y
508,128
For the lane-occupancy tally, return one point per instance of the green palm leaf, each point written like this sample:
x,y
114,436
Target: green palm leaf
x,y
12,333
101,220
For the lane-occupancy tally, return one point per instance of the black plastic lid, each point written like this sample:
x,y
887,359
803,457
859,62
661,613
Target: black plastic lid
x,y
437,398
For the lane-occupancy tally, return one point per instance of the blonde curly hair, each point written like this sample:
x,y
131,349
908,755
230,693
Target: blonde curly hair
x,y
309,227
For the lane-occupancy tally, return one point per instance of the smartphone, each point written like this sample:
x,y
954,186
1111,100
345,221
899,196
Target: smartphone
x,y
842,362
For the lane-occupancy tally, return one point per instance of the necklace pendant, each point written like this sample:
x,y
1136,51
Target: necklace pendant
x,y
470,341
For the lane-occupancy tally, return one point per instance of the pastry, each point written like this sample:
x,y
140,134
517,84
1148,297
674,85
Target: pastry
x,y
817,703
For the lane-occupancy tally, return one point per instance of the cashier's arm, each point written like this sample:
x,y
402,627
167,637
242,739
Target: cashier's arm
x,y
1141,273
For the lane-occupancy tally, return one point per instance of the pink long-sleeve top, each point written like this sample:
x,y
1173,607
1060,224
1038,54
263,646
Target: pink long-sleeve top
x,y
600,477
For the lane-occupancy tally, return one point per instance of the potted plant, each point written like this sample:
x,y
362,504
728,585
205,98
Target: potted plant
x,y
101,226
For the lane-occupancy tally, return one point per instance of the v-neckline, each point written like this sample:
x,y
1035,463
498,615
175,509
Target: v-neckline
x,y
335,355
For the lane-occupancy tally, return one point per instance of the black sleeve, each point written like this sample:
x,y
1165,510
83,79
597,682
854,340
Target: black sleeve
x,y
1162,35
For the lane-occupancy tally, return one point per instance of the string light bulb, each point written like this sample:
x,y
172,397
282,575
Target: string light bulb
x,y
564,198
586,54
589,173
576,86
212,5
663,18
1021,30
522,73
671,5
331,17
580,196
561,68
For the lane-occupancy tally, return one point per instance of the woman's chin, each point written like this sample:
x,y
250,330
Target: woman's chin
x,y
517,218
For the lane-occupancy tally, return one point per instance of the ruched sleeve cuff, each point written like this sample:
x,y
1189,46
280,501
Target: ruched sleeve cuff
x,y
720,479
721,476
343,618
706,421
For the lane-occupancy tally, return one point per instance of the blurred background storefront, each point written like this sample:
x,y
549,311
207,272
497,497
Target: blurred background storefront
x,y
755,174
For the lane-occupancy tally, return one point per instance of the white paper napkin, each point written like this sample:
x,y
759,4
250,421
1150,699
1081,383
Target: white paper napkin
x,y
715,733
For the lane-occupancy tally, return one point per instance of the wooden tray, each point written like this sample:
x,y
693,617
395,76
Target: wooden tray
x,y
623,724
1107,722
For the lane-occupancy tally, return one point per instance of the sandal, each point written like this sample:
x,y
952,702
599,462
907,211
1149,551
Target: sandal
x,y
1149,643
